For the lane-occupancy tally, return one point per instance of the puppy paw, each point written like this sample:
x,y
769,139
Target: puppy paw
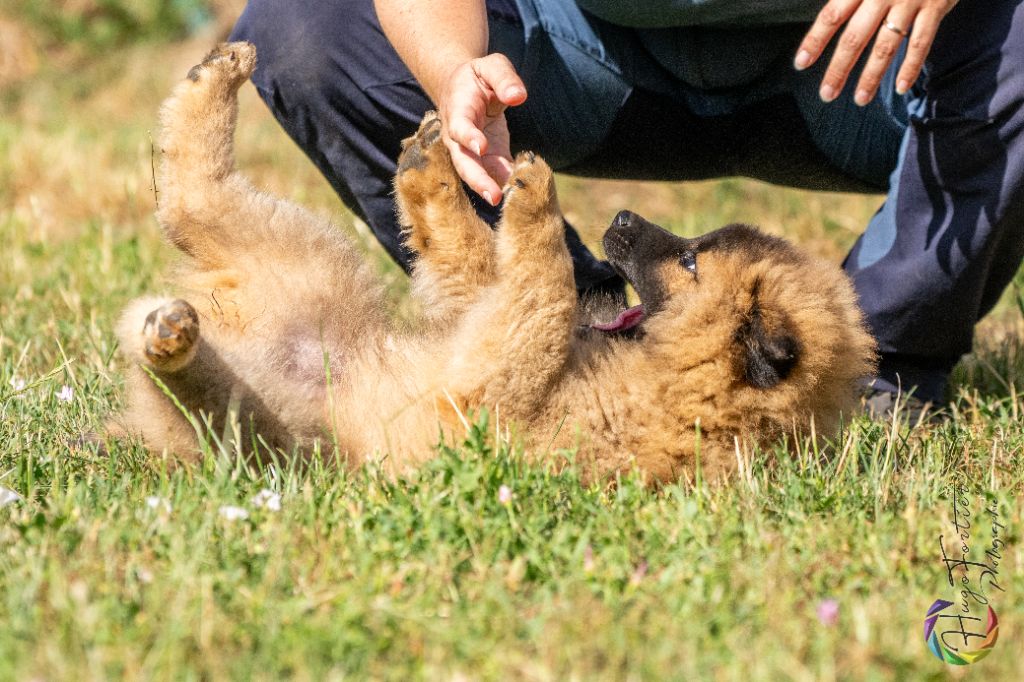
x,y
169,336
423,148
229,64
530,200
429,192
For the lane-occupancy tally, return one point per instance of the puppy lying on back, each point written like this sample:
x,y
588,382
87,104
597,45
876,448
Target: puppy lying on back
x,y
281,329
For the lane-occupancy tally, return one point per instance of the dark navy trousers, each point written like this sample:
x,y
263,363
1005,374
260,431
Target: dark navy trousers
x,y
704,102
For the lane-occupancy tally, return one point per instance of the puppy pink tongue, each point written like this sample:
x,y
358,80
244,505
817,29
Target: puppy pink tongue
x,y
627,319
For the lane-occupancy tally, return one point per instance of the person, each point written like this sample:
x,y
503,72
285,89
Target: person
x,y
920,99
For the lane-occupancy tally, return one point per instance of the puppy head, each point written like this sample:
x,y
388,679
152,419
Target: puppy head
x,y
768,323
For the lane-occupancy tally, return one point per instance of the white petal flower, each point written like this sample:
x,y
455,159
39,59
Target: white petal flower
x,y
66,395
159,503
233,513
17,383
505,495
8,496
267,499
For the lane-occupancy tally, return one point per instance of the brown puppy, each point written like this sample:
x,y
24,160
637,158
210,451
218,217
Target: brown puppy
x,y
740,338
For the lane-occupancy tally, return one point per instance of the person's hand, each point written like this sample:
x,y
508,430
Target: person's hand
x,y
888,22
472,106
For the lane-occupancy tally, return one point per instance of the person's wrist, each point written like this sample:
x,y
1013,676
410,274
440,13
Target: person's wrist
x,y
446,86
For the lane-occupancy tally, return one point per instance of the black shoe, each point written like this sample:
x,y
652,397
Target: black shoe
x,y
921,377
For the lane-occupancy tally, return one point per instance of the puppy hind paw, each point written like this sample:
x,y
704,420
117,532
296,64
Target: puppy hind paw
x,y
169,336
229,63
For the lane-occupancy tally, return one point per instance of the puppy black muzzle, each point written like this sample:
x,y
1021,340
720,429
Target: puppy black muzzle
x,y
635,247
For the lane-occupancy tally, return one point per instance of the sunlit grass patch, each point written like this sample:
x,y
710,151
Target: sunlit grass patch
x,y
481,561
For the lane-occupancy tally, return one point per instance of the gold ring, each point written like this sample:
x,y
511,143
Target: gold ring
x,y
894,28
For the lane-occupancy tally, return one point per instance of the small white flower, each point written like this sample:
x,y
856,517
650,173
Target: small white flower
x,y
144,575
66,395
233,513
159,503
267,499
17,383
505,495
8,496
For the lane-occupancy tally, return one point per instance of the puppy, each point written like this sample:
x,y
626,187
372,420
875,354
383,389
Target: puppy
x,y
280,338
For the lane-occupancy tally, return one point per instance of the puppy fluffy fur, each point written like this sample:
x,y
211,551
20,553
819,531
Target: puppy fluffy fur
x,y
743,334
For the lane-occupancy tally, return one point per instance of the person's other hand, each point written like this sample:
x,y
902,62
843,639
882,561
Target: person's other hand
x,y
472,106
888,22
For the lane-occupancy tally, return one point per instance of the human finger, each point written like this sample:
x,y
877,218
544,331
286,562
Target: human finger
x,y
833,15
470,168
895,28
921,38
500,77
463,126
861,27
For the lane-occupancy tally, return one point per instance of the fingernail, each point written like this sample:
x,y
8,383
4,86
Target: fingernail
x,y
487,198
862,97
902,86
803,60
475,146
827,93
514,92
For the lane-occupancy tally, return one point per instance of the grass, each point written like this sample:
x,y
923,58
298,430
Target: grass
x,y
119,566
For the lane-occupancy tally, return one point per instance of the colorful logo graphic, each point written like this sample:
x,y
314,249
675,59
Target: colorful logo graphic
x,y
943,652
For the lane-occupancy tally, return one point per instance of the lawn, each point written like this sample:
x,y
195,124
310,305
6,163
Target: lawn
x,y
818,565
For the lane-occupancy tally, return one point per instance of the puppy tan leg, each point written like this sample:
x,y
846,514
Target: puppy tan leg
x,y
455,247
206,208
516,339
161,335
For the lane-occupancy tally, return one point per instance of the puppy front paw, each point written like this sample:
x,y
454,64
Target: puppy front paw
x,y
419,150
531,187
531,205
428,190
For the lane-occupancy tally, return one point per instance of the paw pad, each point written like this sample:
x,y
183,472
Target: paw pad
x,y
170,333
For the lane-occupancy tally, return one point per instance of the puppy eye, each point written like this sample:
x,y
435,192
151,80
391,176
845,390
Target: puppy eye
x,y
689,261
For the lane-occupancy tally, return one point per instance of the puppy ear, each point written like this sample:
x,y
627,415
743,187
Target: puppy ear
x,y
767,356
